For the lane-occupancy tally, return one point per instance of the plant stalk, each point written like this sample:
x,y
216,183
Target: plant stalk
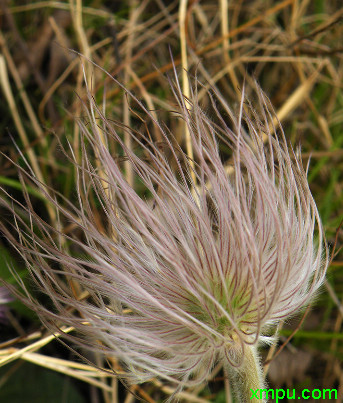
x,y
247,380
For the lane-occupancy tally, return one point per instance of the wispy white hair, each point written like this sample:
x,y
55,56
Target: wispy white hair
x,y
195,265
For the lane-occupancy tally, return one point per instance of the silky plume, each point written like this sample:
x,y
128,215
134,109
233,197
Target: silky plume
x,y
197,265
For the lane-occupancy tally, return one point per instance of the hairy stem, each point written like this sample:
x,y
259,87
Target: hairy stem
x,y
247,380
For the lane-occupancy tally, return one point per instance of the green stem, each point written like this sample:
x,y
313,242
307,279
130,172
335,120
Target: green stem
x,y
17,185
247,380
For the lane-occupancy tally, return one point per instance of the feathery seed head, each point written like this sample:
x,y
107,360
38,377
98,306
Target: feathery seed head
x,y
198,268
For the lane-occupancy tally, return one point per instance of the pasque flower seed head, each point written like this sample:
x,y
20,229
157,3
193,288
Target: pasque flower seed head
x,y
193,266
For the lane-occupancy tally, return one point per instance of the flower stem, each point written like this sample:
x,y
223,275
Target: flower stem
x,y
247,380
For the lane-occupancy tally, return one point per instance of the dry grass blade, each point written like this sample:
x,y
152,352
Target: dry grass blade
x,y
5,83
32,347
